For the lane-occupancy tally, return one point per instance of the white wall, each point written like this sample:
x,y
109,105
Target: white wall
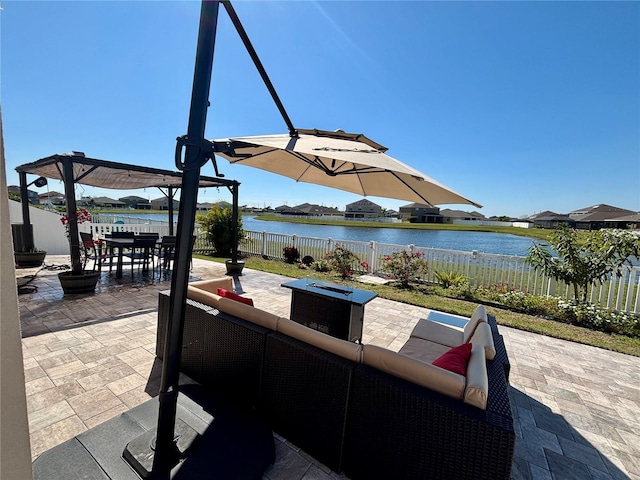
x,y
48,232
15,450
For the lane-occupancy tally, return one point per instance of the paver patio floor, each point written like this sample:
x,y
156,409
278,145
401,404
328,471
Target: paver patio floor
x,y
90,358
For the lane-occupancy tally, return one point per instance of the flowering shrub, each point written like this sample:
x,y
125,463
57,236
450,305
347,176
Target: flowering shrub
x,y
82,215
587,315
365,265
404,266
341,260
291,254
531,304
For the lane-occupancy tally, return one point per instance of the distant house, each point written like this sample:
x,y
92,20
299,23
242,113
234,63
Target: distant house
x,y
421,213
206,206
106,202
52,198
596,217
310,210
135,202
32,196
549,219
628,222
450,215
162,203
362,209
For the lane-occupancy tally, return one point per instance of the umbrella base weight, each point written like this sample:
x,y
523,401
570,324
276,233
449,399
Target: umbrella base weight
x,y
140,452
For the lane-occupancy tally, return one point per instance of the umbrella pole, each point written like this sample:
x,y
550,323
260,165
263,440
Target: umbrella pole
x,y
154,454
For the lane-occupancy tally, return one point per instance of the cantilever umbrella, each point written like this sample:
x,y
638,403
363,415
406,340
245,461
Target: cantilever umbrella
x,y
345,161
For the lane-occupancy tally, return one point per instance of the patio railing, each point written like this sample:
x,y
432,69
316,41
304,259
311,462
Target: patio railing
x,y
621,292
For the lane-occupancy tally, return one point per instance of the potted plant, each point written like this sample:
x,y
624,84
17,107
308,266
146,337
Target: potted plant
x,y
31,258
25,254
77,280
218,225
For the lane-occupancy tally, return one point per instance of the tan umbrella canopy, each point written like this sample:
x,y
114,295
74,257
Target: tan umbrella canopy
x,y
345,161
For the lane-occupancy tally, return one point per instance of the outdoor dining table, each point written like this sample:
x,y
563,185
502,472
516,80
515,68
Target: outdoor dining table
x,y
119,244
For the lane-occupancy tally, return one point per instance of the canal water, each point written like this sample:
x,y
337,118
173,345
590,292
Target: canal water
x,y
484,242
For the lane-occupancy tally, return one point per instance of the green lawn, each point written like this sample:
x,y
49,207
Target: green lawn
x,y
617,343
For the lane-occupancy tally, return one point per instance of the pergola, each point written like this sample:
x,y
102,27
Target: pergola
x,y
75,167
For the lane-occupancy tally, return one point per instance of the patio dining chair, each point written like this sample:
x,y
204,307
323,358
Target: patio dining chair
x,y
120,235
142,252
93,250
166,251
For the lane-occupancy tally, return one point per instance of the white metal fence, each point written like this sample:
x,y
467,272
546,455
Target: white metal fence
x,y
482,269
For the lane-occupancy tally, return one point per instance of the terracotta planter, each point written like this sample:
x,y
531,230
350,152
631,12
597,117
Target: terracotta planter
x,y
29,259
234,268
73,283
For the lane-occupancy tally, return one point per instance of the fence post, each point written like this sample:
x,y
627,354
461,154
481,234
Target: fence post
x,y
293,241
329,244
372,257
264,244
411,248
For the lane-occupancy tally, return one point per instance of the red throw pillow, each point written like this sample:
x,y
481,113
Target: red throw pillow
x,y
455,360
234,296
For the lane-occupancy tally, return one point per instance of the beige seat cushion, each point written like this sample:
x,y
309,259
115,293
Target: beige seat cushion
x,y
477,386
413,370
349,350
248,313
423,350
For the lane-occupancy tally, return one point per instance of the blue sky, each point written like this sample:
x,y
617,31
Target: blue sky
x,y
520,106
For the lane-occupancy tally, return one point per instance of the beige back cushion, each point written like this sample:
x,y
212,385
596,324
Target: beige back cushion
x,y
482,336
415,371
203,296
248,313
350,351
213,284
479,315
477,387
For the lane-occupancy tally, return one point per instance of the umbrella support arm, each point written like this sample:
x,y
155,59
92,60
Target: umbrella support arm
x,y
256,61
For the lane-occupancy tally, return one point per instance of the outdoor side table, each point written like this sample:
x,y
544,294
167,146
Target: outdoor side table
x,y
332,309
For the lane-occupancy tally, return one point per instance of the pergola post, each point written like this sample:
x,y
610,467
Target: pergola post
x,y
23,234
170,207
72,227
234,251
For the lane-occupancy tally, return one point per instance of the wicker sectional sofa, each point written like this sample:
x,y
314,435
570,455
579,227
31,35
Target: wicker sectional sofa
x,y
359,409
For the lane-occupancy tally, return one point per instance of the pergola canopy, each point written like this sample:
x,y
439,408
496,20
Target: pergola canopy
x,y
112,175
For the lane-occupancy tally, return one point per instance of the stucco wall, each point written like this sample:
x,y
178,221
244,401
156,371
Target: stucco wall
x,y
48,232
15,450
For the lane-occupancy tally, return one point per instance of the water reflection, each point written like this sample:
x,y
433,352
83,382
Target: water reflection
x,y
484,242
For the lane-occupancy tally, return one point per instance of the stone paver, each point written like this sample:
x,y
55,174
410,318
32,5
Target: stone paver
x,y
89,358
